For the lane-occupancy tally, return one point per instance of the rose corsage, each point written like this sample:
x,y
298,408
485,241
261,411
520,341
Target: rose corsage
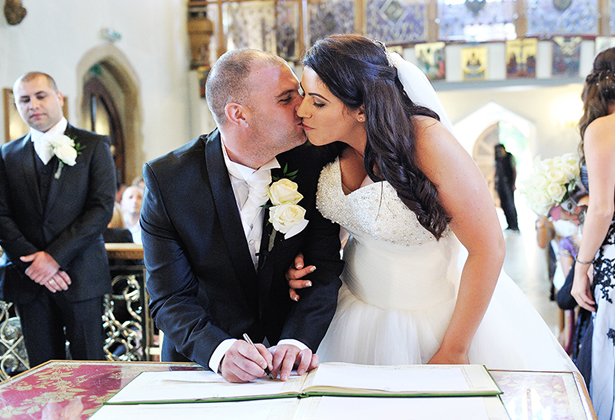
x,y
286,216
66,151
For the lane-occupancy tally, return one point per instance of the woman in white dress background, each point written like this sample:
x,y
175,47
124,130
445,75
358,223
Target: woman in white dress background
x,y
408,193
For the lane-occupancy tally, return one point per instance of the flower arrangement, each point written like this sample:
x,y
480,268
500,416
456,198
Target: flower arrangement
x,y
66,150
552,182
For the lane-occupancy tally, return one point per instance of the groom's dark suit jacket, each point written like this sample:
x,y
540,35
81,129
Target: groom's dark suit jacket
x,y
201,280
69,228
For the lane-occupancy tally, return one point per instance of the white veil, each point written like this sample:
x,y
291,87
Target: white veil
x,y
419,88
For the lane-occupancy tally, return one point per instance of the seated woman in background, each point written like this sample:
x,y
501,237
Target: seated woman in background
x,y
131,211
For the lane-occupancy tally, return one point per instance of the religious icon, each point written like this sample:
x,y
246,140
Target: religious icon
x,y
474,63
566,56
430,57
521,57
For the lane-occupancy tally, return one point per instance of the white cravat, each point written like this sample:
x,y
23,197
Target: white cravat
x,y
250,188
41,140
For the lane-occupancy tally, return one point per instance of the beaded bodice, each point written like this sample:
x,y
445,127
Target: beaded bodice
x,y
374,209
391,260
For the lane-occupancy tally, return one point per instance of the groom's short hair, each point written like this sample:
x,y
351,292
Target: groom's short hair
x,y
228,79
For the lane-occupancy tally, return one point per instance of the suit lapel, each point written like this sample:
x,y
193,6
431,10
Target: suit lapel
x,y
56,184
267,255
230,221
27,156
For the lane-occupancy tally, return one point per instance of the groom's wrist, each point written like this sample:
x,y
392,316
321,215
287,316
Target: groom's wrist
x,y
216,357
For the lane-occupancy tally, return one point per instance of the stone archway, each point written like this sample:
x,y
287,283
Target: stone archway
x,y
481,130
113,69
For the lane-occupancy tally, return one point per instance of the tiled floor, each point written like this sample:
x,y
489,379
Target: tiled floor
x,y
526,264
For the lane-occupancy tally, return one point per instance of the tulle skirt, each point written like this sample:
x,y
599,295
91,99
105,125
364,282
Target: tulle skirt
x,y
511,336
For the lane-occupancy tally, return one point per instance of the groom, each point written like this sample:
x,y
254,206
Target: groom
x,y
215,263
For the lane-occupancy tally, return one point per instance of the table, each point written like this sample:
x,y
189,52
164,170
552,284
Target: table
x,y
78,389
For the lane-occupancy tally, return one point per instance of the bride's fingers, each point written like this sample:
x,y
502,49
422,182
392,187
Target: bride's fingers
x,y
299,284
296,285
294,274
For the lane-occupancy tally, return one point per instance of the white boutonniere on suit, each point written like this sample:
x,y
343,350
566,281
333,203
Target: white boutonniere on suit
x,y
285,214
66,151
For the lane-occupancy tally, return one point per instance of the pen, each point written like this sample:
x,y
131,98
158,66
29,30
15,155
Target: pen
x,y
247,338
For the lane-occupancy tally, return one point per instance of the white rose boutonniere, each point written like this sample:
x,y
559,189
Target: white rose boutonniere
x,y
285,214
284,191
66,151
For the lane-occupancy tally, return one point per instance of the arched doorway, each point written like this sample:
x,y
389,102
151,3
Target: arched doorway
x,y
102,117
110,100
506,133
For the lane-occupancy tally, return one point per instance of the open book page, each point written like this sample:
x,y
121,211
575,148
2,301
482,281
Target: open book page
x,y
197,386
277,409
442,408
427,380
316,408
328,379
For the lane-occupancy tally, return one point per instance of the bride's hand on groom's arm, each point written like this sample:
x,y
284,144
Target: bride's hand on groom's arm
x,y
287,357
294,277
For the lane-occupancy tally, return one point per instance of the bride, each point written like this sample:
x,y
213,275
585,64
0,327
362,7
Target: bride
x,y
409,194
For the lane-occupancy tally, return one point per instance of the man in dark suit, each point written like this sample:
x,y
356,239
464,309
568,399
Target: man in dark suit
x,y
216,267
57,187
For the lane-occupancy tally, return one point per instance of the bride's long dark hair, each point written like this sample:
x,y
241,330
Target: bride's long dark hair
x,y
358,72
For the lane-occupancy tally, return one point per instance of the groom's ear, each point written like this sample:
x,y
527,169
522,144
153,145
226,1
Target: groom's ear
x,y
236,114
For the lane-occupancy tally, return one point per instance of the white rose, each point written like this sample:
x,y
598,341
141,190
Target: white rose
x,y
285,216
556,191
557,175
540,202
538,181
284,191
64,148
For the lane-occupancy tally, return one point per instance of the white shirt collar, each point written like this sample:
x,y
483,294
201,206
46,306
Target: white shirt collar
x,y
41,140
243,172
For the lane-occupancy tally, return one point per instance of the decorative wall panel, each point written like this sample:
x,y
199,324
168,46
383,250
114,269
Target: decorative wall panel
x,y
561,17
396,21
331,17
476,20
250,25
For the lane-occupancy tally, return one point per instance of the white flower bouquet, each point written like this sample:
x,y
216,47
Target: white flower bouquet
x,y
552,182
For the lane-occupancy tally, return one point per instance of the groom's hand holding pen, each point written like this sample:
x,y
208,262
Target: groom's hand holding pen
x,y
266,368
244,361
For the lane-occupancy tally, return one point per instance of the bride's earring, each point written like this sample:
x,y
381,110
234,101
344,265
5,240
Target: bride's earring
x,y
361,119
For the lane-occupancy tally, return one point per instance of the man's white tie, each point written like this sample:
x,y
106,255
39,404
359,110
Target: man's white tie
x,y
252,210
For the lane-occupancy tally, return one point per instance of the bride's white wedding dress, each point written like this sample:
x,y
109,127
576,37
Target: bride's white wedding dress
x,y
400,287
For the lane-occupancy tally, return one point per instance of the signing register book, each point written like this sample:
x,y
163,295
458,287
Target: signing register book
x,y
333,389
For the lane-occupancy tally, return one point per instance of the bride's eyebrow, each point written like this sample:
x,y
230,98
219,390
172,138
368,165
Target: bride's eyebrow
x,y
314,94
